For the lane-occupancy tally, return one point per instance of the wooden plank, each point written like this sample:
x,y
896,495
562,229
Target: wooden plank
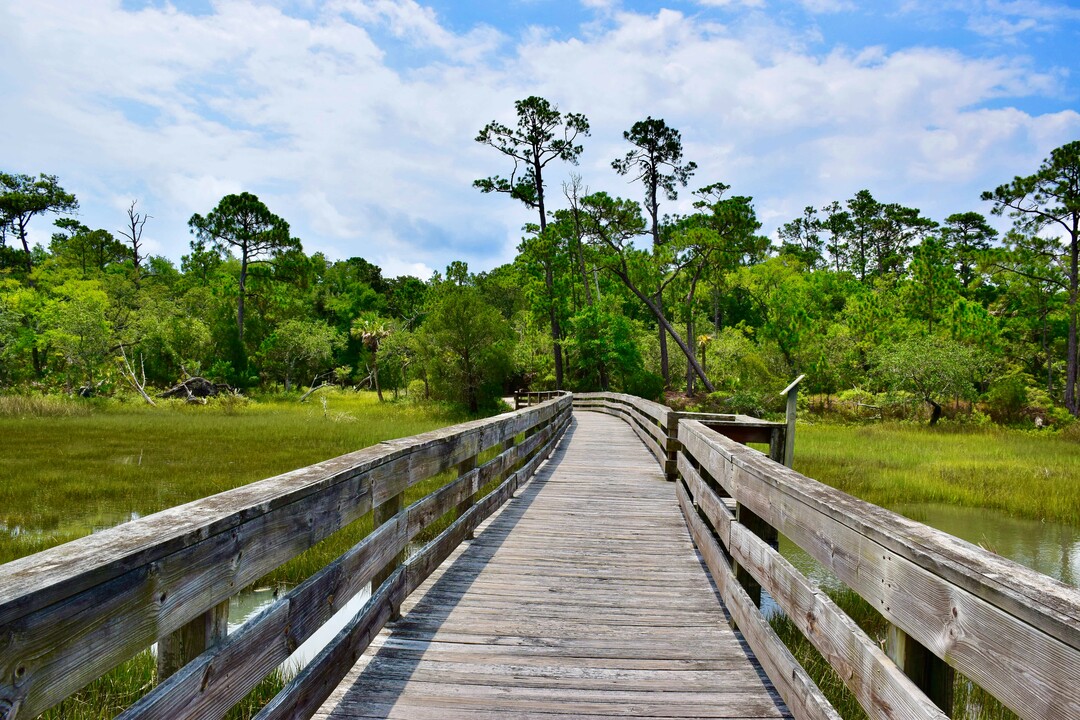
x,y
434,505
181,647
882,689
312,685
1007,628
583,595
795,686
928,672
316,682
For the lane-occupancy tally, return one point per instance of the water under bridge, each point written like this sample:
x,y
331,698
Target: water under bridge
x,y
594,555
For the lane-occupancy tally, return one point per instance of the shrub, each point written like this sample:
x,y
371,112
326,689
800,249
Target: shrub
x,y
417,391
1007,397
646,385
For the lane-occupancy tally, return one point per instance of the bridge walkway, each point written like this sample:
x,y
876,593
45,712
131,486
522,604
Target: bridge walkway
x,y
583,597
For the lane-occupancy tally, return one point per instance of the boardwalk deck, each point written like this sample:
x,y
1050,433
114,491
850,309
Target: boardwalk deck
x,y
583,597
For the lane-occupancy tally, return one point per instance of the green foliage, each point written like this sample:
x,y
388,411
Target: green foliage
x,y
299,348
1050,199
1008,396
852,289
657,161
23,197
602,346
77,328
933,287
646,385
542,134
934,368
469,344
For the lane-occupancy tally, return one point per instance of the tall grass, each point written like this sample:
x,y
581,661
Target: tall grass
x,y
66,474
1021,473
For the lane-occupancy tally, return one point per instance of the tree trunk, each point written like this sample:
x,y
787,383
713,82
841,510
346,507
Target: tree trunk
x,y
935,413
549,281
665,369
375,379
664,324
581,269
240,300
556,330
693,350
1071,401
26,248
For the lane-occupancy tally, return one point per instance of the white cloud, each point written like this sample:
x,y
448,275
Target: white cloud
x,y
368,156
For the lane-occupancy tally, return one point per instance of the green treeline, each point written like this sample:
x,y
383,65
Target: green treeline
x,y
873,301
91,314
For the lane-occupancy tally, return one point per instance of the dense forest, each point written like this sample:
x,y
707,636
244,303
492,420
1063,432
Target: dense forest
x,y
880,306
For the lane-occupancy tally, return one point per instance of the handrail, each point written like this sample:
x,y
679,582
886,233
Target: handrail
x,y
655,424
528,398
71,613
950,604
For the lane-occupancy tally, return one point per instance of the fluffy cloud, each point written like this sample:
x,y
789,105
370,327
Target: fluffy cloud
x,y
355,121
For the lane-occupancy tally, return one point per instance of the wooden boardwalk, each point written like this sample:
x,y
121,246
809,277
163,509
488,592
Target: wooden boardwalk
x,y
583,597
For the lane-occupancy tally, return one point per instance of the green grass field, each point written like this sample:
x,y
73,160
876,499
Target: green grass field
x,y
1018,472
70,468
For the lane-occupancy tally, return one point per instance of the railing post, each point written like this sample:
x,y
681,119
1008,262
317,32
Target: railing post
x,y
382,514
671,467
930,673
752,522
177,649
463,468
792,393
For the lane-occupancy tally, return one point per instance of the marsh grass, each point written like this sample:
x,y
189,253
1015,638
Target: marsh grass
x,y
72,467
66,474
1021,473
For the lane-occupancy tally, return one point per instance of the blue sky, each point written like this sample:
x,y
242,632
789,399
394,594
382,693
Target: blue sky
x,y
355,119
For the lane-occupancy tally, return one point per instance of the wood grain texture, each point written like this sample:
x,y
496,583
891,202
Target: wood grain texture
x,y
1011,630
793,683
307,691
880,686
582,597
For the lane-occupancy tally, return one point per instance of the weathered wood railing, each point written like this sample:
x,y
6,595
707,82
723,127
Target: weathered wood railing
x,y
950,604
528,398
655,424
70,614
